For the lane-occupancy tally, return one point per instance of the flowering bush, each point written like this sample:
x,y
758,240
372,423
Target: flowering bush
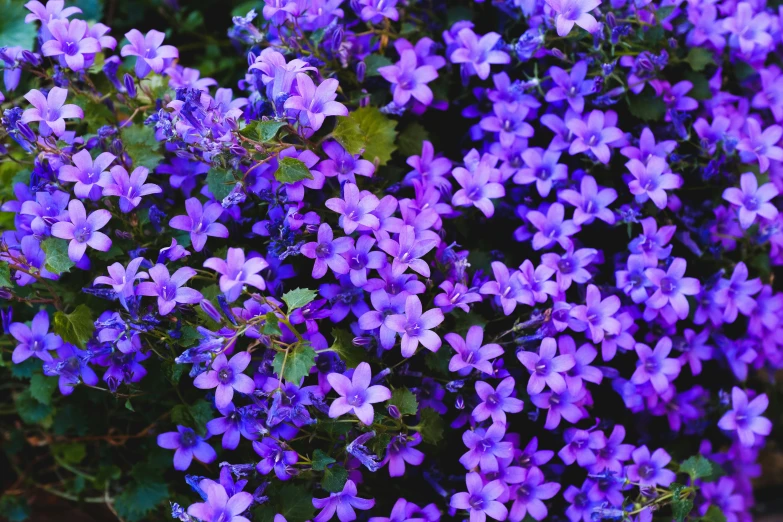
x,y
426,259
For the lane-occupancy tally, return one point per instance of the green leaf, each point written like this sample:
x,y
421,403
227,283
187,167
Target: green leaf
x,y
343,346
699,58
220,182
697,467
374,62
76,327
292,501
334,429
348,134
271,325
714,514
321,460
662,13
140,143
57,260
263,131
5,275
647,107
298,298
681,507
291,170
298,362
430,426
91,9
42,388
13,29
193,416
26,369
334,479
410,139
378,133
173,371
139,499
71,452
701,86
30,410
405,401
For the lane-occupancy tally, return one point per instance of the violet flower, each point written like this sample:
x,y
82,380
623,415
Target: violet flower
x,y
169,289
226,375
574,12
343,503
541,167
650,471
416,327
374,11
581,446
130,189
572,88
122,280
735,294
187,445
315,104
200,221
496,402
455,296
361,260
218,507
508,121
745,417
89,175
752,200
614,452
51,111
236,272
71,367
356,394
594,134
477,189
471,353
70,40
476,55
672,287
545,367
355,209
571,266
401,450
275,457
485,447
652,180
552,227
150,55
407,251
653,243
655,366
480,499
82,230
507,287
528,496
343,164
597,314
326,252
34,340
408,79
590,202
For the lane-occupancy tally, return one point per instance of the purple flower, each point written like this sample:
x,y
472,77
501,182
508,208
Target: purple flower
x,y
130,189
150,54
581,446
90,176
401,450
552,227
274,457
723,495
529,494
496,402
315,104
476,55
485,447
356,394
343,503
573,87
745,417
71,41
407,251
655,366
374,11
471,353
218,506
672,287
408,79
427,168
343,164
326,252
416,327
634,281
652,180
82,230
595,134
648,148
546,368
404,511
48,209
35,341
541,167
508,121
761,146
50,111
752,200
200,221
649,471
188,445
652,244
455,296
52,11
574,12
570,267
385,306
582,371
236,272
748,30
122,280
361,260
591,203
168,289
735,294
235,422
480,499
355,209
507,288
226,375
597,315
477,190
71,366
560,405
614,452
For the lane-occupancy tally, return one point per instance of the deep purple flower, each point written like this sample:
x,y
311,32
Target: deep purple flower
x,y
485,447
652,180
573,87
374,11
571,266
169,289
496,402
552,227
655,366
150,55
326,252
745,417
581,446
343,164
595,134
427,168
508,121
236,272
507,287
200,221
574,12
401,450
90,175
546,367
590,202
355,209
235,422
226,375
122,280
471,353
361,260
529,494
408,79
541,167
71,366
407,251
34,341
672,287
218,506
649,471
648,147
597,315
582,371
614,452
356,394
71,41
752,200
723,494
560,405
477,189
343,503
130,189
735,294
50,111
416,327
652,244
275,457
480,499
188,445
82,230
315,104
476,55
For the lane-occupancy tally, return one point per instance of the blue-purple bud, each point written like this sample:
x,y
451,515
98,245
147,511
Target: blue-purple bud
x,y
361,71
31,58
130,85
211,310
26,131
459,403
394,412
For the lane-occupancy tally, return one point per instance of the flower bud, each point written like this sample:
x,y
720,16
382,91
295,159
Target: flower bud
x,y
394,412
361,70
31,58
130,85
459,403
26,131
211,310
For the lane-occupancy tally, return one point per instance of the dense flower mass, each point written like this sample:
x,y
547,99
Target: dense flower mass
x,y
520,254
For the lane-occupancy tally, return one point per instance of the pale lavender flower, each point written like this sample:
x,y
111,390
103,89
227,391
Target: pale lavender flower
x,y
169,289
614,452
374,11
748,30
236,272
570,267
597,315
361,260
655,366
89,175
633,281
528,496
200,221
71,41
455,296
130,189
745,417
416,327
476,55
408,79
582,371
536,286
653,243
122,280
652,180
574,12
400,451
581,446
572,88
471,352
50,110
650,471
226,376
315,104
541,167
485,447
34,341
477,189
552,227
355,209
496,402
761,146
407,251
672,287
343,503
752,200
326,252
648,147
343,164
356,394
735,294
594,134
218,506
150,55
53,10
82,230
507,287
480,499
590,202
546,368
508,122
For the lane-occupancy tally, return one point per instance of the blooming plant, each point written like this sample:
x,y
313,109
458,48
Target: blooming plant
x,y
400,260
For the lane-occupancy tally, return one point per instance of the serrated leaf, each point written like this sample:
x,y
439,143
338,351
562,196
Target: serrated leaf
x,y
76,327
42,388
139,499
378,133
193,416
714,514
374,62
140,144
348,134
321,460
701,85
334,479
271,325
647,107
410,140
220,182
292,170
405,401
57,260
696,467
431,426
699,58
343,346
263,131
681,508
5,275
30,410
298,362
298,298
